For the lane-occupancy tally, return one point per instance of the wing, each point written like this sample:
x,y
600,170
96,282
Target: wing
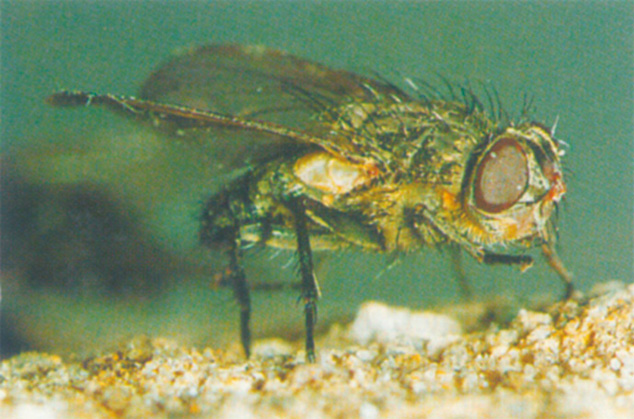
x,y
253,101
258,83
177,117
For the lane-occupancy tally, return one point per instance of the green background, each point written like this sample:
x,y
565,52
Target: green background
x,y
576,58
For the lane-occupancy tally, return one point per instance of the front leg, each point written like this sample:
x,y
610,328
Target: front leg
x,y
522,261
525,262
557,265
309,286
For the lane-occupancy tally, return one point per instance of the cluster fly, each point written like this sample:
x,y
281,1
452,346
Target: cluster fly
x,y
337,160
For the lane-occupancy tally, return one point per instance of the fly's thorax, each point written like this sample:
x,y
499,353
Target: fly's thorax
x,y
402,136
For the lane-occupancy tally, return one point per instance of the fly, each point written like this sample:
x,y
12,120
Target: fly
x,y
338,160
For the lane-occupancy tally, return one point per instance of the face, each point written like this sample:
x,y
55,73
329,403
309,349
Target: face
x,y
515,184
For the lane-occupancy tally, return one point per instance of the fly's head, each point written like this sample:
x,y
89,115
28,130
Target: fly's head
x,y
513,186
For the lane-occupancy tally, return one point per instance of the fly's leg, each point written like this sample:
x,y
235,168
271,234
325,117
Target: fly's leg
x,y
558,266
309,287
241,293
220,229
526,261
456,262
523,261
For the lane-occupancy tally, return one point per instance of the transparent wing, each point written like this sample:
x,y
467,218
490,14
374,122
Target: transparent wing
x,y
248,103
258,83
237,140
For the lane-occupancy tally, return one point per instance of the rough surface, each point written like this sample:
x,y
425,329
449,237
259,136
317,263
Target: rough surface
x,y
574,360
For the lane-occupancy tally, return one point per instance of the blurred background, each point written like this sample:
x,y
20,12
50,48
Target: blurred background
x,y
99,217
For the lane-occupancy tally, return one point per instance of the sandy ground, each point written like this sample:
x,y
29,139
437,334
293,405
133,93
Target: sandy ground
x,y
571,360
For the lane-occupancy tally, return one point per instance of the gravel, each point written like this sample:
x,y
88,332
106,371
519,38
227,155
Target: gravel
x,y
575,359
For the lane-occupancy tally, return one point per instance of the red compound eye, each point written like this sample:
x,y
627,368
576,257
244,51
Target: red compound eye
x,y
501,177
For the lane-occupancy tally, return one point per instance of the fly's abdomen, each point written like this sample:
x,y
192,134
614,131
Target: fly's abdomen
x,y
227,212
218,225
246,213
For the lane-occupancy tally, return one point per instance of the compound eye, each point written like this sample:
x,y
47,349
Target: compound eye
x,y
501,177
